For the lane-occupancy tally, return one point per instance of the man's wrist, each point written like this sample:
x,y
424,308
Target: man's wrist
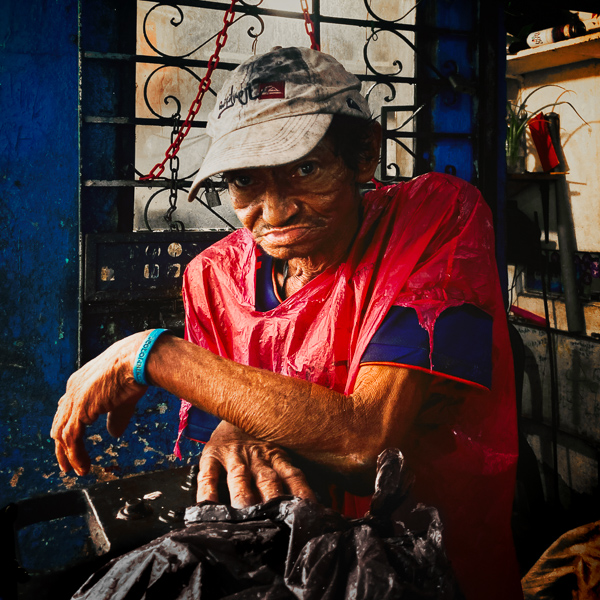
x,y
141,358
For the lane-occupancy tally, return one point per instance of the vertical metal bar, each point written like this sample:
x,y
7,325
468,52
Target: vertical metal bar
x,y
567,246
384,138
423,92
491,115
552,356
316,17
127,24
79,196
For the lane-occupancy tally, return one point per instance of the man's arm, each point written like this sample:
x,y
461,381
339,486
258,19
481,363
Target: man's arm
x,y
342,433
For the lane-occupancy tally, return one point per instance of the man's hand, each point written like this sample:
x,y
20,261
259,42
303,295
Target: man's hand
x,y
105,385
256,471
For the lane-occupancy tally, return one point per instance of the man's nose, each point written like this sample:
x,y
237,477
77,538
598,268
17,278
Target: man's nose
x,y
278,206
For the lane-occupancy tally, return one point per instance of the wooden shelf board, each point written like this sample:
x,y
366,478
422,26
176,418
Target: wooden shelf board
x,y
566,52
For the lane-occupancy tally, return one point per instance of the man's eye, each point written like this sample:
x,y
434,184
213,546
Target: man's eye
x,y
239,181
243,181
306,169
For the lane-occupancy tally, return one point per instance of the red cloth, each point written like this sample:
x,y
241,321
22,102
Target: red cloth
x,y
426,244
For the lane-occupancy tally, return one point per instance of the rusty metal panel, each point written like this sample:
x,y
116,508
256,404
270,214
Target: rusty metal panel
x,y
574,426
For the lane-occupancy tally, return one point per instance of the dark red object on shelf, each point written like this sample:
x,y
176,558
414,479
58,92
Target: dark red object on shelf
x,y
540,133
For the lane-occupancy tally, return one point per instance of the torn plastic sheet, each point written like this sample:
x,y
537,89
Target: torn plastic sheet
x,y
291,548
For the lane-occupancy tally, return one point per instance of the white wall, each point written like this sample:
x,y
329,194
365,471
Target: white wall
x,y
580,142
581,146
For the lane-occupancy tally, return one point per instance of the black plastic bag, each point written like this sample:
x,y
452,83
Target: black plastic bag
x,y
290,548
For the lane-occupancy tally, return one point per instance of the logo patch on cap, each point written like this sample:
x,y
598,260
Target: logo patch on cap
x,y
273,89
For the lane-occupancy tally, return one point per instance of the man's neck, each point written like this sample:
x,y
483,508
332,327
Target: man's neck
x,y
297,272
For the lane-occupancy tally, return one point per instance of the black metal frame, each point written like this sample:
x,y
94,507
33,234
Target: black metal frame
x,y
124,254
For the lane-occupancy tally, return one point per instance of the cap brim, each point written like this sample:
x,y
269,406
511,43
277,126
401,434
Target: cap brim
x,y
267,144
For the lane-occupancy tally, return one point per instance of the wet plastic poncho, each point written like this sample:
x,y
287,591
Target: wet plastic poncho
x,y
426,244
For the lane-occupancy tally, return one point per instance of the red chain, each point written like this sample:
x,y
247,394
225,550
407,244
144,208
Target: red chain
x,y
308,24
173,149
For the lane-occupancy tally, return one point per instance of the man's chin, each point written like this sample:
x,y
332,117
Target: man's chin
x,y
281,252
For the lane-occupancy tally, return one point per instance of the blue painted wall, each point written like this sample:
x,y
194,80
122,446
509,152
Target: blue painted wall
x,y
38,234
39,278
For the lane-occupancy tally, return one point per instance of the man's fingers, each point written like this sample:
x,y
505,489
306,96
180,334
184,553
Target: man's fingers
x,y
267,480
292,477
118,419
208,479
69,446
239,482
61,457
102,386
76,453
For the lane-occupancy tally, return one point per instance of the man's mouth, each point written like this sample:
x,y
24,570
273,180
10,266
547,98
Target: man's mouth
x,y
283,236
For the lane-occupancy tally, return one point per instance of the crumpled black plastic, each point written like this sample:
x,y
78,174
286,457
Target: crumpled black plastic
x,y
290,548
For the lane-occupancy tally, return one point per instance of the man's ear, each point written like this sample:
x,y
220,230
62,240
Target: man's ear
x,y
370,159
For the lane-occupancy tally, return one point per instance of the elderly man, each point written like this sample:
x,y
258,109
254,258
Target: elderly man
x,y
333,325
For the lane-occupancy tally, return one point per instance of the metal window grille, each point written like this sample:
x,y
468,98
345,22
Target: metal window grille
x,y
428,69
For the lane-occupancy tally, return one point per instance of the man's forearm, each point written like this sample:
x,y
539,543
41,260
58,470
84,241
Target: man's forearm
x,y
344,433
316,422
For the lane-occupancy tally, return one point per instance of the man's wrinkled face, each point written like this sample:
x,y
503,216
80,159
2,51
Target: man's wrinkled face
x,y
300,209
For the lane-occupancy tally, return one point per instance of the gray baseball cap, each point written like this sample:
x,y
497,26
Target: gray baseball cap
x,y
275,108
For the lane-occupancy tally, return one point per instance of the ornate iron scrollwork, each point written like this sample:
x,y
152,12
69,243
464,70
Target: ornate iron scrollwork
x,y
389,21
170,97
176,22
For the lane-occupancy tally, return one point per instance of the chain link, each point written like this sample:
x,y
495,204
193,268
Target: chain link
x,y
174,168
309,25
203,87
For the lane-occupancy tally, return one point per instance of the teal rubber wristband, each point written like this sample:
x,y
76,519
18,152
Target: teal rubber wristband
x,y
139,364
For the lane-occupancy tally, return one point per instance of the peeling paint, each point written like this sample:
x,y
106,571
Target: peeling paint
x,y
107,274
15,478
68,482
40,302
111,451
102,474
139,462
